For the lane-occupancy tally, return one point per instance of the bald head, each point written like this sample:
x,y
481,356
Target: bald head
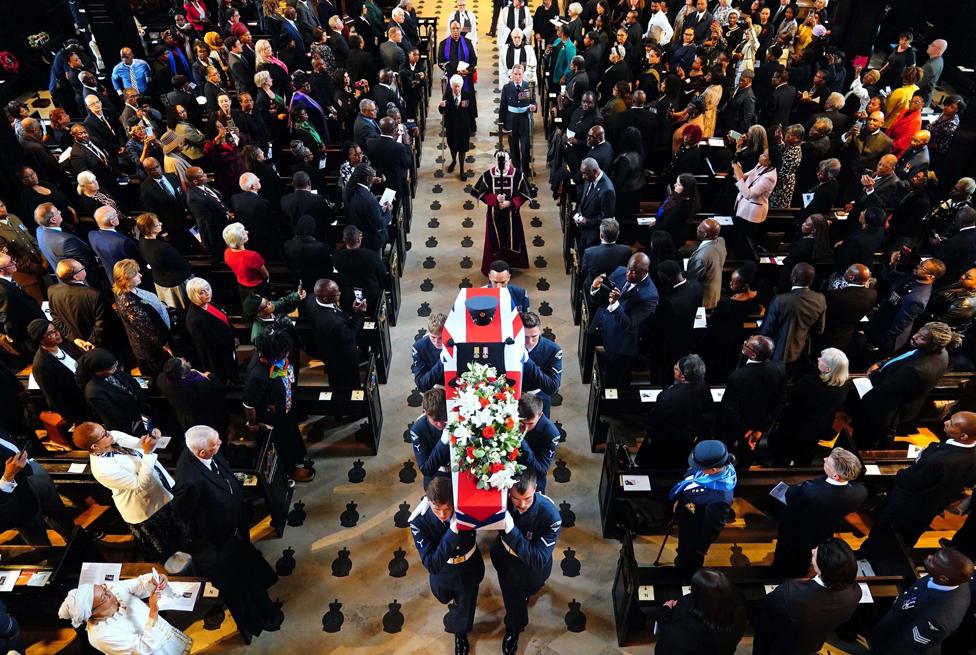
x,y
886,165
708,229
637,267
249,182
106,217
857,274
326,291
639,98
596,135
949,567
921,138
961,427
758,348
387,125
196,176
802,275
67,269
30,127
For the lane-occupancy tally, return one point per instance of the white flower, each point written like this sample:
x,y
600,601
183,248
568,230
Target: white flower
x,y
462,433
503,479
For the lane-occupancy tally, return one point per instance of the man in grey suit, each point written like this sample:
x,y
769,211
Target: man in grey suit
x,y
308,19
391,50
597,200
794,314
705,264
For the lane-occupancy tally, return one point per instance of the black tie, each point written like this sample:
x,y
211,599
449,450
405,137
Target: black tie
x,y
107,124
216,469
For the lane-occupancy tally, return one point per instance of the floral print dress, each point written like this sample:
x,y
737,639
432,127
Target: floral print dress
x,y
782,195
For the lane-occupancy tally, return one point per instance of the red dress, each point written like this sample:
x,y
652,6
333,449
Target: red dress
x,y
900,132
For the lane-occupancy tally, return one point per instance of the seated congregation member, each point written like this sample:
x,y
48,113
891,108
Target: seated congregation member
x,y
954,305
306,255
929,611
142,489
170,270
211,331
431,448
682,414
145,318
795,315
269,401
211,501
815,510
364,211
451,557
925,489
799,615
500,277
29,501
707,260
115,396
359,269
846,307
958,251
630,297
708,621
753,398
540,439
522,553
703,502
196,397
808,417
54,371
248,265
901,384
543,370
115,615
427,368
336,333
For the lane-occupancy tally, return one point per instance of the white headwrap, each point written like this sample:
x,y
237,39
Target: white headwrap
x,y
77,606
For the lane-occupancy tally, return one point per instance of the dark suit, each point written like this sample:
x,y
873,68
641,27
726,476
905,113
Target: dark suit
x,y
383,96
118,407
19,509
363,210
824,197
740,112
309,258
112,247
597,201
641,118
798,616
682,414
392,55
38,157
57,383
845,309
17,309
302,202
211,217
899,388
335,342
57,245
196,401
361,66
242,72
212,504
602,259
620,329
753,398
83,159
80,312
214,342
781,103
170,209
393,160
257,215
340,48
790,319
814,510
364,130
360,268
958,253
290,32
922,491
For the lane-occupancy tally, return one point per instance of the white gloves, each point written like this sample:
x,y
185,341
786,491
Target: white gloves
x,y
454,527
509,522
445,438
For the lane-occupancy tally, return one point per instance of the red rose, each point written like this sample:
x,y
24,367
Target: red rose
x,y
492,378
453,440
500,395
484,402
488,432
495,468
512,456
470,452
509,422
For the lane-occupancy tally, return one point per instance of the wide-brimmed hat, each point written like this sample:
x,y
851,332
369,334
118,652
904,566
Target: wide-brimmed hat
x,y
170,141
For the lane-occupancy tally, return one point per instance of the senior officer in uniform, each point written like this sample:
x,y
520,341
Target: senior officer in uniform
x,y
703,502
517,102
522,554
451,557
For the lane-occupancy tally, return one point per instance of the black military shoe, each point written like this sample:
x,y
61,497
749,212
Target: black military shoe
x,y
461,645
510,642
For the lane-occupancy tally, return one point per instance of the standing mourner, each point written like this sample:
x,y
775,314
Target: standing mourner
x,y
504,190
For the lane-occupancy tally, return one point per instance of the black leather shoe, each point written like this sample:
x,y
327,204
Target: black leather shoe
x,y
450,169
510,642
461,645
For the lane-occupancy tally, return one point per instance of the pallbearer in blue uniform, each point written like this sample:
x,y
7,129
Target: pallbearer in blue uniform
x,y
538,449
452,558
703,502
427,368
928,611
427,436
543,372
500,277
522,555
517,102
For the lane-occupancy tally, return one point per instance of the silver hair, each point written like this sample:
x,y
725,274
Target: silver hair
x,y
199,437
193,288
831,167
834,101
837,367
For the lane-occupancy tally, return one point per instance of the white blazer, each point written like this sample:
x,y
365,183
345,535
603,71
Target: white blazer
x,y
134,481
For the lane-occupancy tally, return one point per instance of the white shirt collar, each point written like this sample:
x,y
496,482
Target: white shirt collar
x,y
837,483
797,286
7,278
753,361
931,584
819,581
206,462
971,227
953,442
330,305
851,284
679,284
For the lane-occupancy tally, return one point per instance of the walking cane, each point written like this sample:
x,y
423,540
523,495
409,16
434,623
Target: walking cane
x,y
443,130
657,560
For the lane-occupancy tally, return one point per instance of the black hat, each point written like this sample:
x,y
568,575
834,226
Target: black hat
x,y
709,454
299,78
482,309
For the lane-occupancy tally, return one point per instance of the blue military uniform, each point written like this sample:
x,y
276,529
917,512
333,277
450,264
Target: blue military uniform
x,y
538,450
702,513
427,368
921,618
433,457
513,113
543,372
453,561
523,557
520,298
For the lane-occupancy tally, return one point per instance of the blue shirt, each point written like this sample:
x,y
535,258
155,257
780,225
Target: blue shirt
x,y
123,74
